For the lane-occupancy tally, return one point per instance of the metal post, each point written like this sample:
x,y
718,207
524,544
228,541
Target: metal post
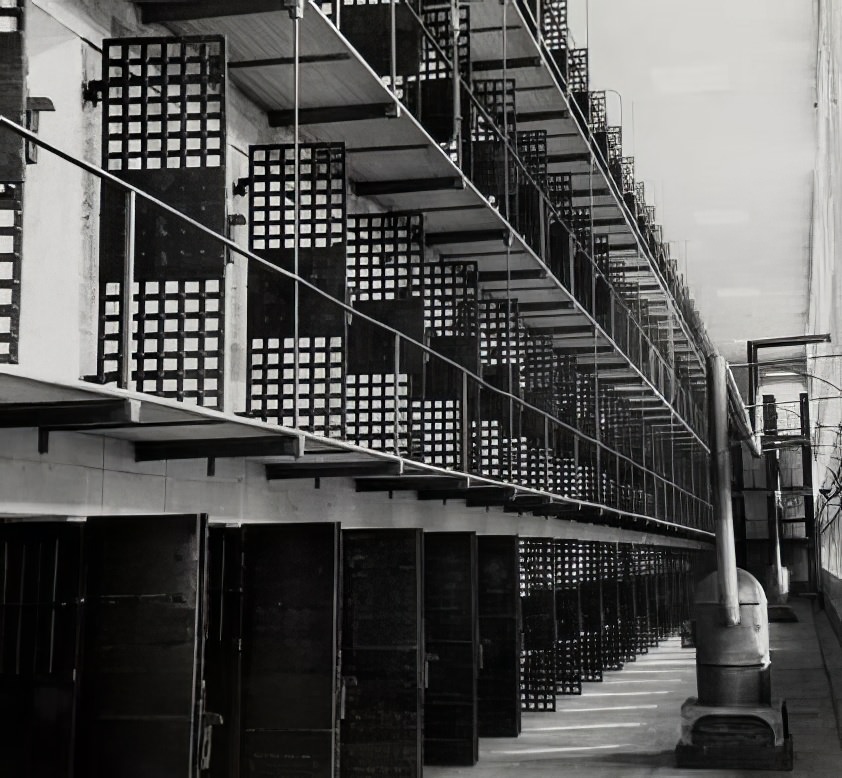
x,y
127,318
726,554
466,426
809,504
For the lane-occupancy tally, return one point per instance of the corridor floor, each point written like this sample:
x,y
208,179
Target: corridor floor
x,y
628,724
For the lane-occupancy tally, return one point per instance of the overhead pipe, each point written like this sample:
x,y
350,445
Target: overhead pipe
x,y
741,417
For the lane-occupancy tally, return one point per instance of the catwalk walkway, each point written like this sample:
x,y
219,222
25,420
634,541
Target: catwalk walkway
x,y
628,725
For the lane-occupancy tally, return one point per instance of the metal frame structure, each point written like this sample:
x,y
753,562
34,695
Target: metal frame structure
x,y
634,443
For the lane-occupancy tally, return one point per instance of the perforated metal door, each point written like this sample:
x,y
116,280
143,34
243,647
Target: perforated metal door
x,y
290,700
499,626
142,646
452,641
382,654
39,618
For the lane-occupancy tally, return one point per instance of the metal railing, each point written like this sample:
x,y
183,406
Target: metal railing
x,y
667,495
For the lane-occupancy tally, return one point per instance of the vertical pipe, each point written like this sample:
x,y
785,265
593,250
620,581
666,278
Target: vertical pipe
x,y
726,555
393,57
396,394
751,350
128,292
457,81
809,505
773,521
506,182
296,51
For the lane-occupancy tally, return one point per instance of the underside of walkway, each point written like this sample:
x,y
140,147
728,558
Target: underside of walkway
x,y
628,724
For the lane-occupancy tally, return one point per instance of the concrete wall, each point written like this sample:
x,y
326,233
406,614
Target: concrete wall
x,y
825,361
92,475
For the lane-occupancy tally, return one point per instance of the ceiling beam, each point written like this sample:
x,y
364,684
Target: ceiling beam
x,y
332,114
304,59
466,236
156,11
217,448
513,63
287,470
75,413
406,186
528,117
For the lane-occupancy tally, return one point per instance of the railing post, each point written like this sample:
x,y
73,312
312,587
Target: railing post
x,y
466,426
397,395
127,305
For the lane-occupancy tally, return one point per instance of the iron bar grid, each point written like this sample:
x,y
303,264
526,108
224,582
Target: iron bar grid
x,y
165,104
11,226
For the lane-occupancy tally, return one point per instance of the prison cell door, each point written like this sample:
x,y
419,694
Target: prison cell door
x,y
452,641
39,616
499,627
142,644
290,651
223,655
382,653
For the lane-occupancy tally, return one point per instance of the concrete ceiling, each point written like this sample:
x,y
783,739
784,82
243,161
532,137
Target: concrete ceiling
x,y
718,111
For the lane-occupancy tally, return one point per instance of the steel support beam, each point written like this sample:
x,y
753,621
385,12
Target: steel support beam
x,y
406,186
70,413
217,448
157,11
286,470
332,114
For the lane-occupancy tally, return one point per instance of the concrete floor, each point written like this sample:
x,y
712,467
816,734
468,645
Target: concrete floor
x,y
628,725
